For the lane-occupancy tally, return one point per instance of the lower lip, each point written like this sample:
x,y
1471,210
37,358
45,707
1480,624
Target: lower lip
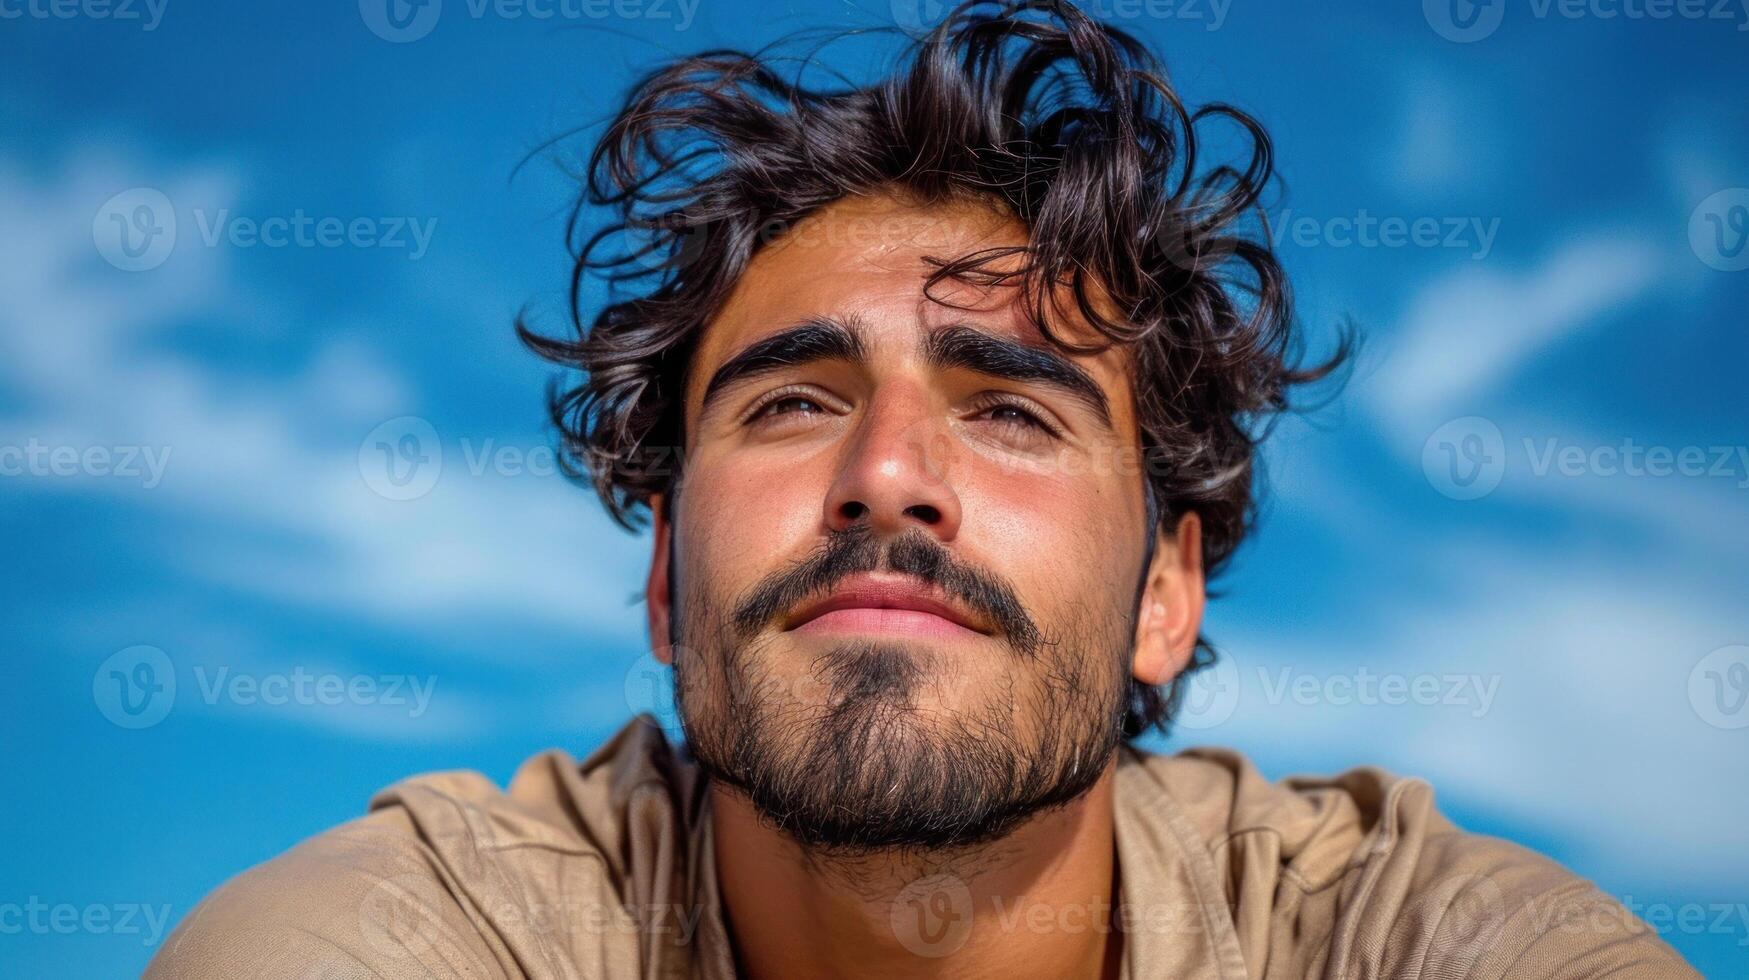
x,y
886,622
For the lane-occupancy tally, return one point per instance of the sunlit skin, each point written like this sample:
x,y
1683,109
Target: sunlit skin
x,y
1015,476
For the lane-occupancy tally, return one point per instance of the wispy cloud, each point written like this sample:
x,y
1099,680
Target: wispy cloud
x,y
89,358
1473,329
1589,712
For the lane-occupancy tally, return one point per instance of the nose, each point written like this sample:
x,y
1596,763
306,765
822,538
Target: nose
x,y
894,474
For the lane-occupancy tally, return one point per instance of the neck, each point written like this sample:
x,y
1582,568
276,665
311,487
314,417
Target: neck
x,y
1039,902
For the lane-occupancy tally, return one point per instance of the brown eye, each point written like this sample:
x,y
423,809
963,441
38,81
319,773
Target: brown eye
x,y
1014,415
789,407
792,405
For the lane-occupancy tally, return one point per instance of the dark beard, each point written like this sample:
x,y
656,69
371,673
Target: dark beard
x,y
862,770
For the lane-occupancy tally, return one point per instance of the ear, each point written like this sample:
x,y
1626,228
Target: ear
x,y
658,597
1172,604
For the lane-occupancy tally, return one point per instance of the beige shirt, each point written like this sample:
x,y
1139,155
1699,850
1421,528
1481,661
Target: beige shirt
x,y
606,870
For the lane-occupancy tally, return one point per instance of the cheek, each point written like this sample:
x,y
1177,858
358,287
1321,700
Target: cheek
x,y
1067,538
741,515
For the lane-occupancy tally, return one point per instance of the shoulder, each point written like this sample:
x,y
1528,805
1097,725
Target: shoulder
x,y
449,876
1367,877
364,899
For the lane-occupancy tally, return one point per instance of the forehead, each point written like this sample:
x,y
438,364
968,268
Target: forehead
x,y
866,258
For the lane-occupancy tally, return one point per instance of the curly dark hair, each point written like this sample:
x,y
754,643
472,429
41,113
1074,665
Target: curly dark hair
x,y
1067,124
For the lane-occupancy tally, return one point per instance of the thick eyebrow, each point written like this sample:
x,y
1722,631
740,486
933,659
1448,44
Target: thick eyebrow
x,y
1000,357
815,339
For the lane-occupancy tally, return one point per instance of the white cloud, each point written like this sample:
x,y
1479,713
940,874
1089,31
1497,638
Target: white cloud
x,y
1473,328
267,460
1589,732
1590,735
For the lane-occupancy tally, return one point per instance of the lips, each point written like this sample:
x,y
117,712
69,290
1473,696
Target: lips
x,y
866,604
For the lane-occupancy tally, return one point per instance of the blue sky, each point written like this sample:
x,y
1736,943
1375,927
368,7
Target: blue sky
x,y
1469,517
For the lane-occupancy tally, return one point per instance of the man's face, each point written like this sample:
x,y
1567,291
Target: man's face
x,y
908,544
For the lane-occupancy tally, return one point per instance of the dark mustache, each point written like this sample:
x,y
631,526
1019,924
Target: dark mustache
x,y
856,550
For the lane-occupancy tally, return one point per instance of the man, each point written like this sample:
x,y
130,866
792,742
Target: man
x,y
941,397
